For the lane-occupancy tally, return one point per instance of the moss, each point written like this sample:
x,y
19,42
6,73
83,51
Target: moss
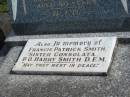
x,y
3,6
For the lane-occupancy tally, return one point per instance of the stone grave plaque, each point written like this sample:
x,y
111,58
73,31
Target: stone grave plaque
x,y
91,55
63,16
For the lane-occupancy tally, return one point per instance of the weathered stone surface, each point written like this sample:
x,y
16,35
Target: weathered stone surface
x,y
49,16
21,40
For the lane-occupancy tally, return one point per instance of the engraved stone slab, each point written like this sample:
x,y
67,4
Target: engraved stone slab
x,y
62,16
91,55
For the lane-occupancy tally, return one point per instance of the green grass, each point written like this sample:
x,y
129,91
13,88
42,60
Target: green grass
x,y
3,6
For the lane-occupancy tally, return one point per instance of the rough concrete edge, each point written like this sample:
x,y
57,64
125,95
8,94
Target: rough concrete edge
x,y
14,40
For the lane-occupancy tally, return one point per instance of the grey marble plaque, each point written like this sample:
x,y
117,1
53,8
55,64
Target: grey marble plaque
x,y
63,16
91,55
